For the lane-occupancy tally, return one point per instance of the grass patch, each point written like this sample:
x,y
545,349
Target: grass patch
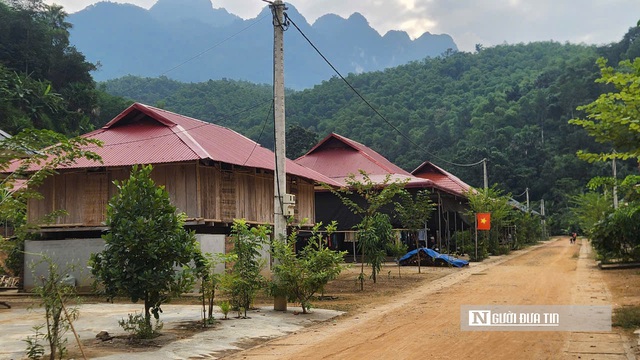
x,y
627,317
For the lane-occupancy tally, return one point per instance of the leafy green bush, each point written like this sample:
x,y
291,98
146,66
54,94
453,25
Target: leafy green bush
x,y
470,248
245,279
303,275
225,307
138,326
617,236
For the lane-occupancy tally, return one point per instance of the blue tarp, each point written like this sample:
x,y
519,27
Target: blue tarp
x,y
433,255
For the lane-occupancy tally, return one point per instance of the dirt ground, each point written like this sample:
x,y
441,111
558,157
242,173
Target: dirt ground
x,y
425,323
343,294
418,315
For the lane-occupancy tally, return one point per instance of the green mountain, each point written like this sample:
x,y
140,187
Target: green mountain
x,y
509,104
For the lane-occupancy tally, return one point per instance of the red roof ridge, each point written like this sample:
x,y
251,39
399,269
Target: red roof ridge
x,y
145,109
361,148
364,150
454,178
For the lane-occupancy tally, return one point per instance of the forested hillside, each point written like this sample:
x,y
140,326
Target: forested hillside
x,y
509,104
45,82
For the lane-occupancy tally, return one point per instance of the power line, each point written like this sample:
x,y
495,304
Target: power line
x,y
214,46
264,125
369,104
524,192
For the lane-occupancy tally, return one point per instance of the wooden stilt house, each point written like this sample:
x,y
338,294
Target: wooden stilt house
x,y
337,157
213,174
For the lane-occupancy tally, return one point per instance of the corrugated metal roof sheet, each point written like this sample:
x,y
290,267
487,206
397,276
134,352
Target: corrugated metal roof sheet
x,y
337,157
442,178
143,134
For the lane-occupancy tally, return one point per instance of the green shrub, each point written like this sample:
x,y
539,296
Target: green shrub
x,y
225,307
138,326
617,236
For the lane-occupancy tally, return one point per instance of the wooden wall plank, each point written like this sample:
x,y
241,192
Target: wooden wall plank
x,y
95,198
60,196
228,199
178,178
305,201
37,208
220,195
264,198
205,174
190,185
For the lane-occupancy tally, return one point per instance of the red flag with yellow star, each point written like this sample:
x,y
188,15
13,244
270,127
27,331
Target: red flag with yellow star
x,y
483,221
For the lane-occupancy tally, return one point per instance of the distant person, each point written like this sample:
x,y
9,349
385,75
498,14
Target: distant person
x,y
573,238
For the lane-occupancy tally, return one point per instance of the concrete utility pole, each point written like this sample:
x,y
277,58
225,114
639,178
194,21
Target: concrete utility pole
x,y
486,177
527,191
615,184
544,221
280,178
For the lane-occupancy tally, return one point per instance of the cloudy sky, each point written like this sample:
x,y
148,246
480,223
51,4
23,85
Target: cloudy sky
x,y
469,22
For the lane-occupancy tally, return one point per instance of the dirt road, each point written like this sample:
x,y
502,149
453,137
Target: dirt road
x,y
425,324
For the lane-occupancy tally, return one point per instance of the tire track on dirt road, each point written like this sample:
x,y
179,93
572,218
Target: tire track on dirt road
x,y
425,323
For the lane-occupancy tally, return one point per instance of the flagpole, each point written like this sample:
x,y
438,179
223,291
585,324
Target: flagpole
x,y
476,237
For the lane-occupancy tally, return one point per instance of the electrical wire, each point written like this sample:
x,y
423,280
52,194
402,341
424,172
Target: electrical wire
x,y
288,19
524,192
264,125
214,46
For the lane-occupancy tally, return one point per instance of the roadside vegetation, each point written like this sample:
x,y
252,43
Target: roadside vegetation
x,y
610,212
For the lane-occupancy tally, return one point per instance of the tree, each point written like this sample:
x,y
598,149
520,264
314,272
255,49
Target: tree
x,y
299,141
27,102
414,212
614,118
210,282
146,245
374,234
366,198
44,70
30,157
56,295
589,208
494,202
245,279
617,235
302,276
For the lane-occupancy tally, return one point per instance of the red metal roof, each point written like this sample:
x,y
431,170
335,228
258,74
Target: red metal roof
x,y
444,179
337,157
143,134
